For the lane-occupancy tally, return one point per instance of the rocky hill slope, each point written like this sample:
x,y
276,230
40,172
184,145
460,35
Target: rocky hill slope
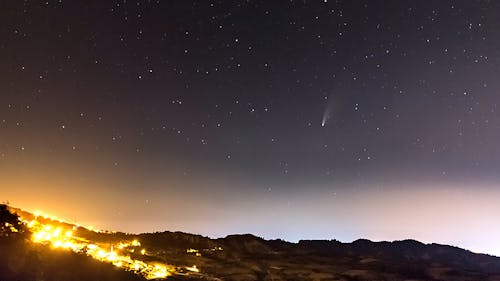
x,y
235,257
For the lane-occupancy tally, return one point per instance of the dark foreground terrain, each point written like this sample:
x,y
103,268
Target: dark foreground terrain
x,y
246,257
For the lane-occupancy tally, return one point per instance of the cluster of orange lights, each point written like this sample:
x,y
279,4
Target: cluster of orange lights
x,y
118,254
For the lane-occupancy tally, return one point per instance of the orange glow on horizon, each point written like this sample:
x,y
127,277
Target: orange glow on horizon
x,y
61,235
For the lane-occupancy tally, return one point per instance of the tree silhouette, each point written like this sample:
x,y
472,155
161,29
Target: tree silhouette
x,y
10,224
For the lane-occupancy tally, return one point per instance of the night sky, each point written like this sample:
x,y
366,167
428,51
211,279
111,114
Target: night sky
x,y
285,119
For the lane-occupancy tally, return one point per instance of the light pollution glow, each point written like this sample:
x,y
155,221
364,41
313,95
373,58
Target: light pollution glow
x,y
447,214
60,235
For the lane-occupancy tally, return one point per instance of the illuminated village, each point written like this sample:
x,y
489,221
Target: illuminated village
x,y
128,255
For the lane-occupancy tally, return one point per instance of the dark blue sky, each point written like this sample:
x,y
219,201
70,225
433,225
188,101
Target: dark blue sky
x,y
214,109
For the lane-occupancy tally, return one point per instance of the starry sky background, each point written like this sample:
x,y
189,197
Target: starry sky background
x,y
286,119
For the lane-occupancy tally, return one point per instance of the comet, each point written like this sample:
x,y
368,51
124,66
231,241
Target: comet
x,y
327,113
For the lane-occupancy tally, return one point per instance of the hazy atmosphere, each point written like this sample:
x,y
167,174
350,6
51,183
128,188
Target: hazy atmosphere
x,y
284,119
